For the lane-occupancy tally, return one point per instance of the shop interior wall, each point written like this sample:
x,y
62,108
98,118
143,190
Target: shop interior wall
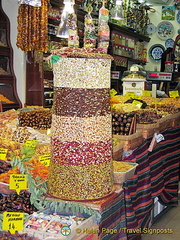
x,y
11,9
155,18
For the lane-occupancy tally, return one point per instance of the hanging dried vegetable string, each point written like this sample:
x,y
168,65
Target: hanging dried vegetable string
x,y
30,27
33,27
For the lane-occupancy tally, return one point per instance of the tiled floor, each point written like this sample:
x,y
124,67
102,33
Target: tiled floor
x,y
168,222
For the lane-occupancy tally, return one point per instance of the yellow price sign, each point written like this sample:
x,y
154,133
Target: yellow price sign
x,y
174,94
130,94
45,159
146,93
18,182
156,103
48,132
113,92
3,153
13,221
31,143
137,103
138,97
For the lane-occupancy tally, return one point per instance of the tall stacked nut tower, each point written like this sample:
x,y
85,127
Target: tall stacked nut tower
x,y
81,141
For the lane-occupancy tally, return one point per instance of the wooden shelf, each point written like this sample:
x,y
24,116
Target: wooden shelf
x,y
128,31
176,77
4,51
8,79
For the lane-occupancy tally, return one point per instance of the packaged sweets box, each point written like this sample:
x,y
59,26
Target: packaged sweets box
x,y
60,225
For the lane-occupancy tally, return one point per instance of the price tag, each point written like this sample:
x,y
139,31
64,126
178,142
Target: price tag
x,y
113,92
3,153
48,132
138,97
18,182
155,140
146,93
31,143
137,103
158,137
13,221
130,94
156,103
45,159
174,94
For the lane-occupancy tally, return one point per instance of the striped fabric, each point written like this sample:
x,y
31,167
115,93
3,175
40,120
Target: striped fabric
x,y
113,218
112,225
156,175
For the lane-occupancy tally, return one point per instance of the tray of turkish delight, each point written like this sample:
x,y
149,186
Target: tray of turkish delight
x,y
58,225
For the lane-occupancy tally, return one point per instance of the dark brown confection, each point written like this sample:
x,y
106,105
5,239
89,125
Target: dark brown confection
x,y
81,102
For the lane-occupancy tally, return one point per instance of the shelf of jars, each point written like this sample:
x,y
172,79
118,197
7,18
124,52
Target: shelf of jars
x,y
128,31
126,48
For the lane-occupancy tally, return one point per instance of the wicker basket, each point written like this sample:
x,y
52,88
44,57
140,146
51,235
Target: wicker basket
x,y
120,177
165,123
118,151
175,119
130,141
148,130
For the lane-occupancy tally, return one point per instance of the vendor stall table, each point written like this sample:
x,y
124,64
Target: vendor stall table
x,y
156,175
112,224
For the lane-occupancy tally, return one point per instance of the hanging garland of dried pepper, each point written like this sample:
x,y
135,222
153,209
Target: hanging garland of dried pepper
x,y
33,27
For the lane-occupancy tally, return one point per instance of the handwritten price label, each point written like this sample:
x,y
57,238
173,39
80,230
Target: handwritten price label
x,y
18,182
45,159
130,94
156,103
13,221
174,94
31,143
137,103
3,153
48,132
146,93
138,97
159,137
113,92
